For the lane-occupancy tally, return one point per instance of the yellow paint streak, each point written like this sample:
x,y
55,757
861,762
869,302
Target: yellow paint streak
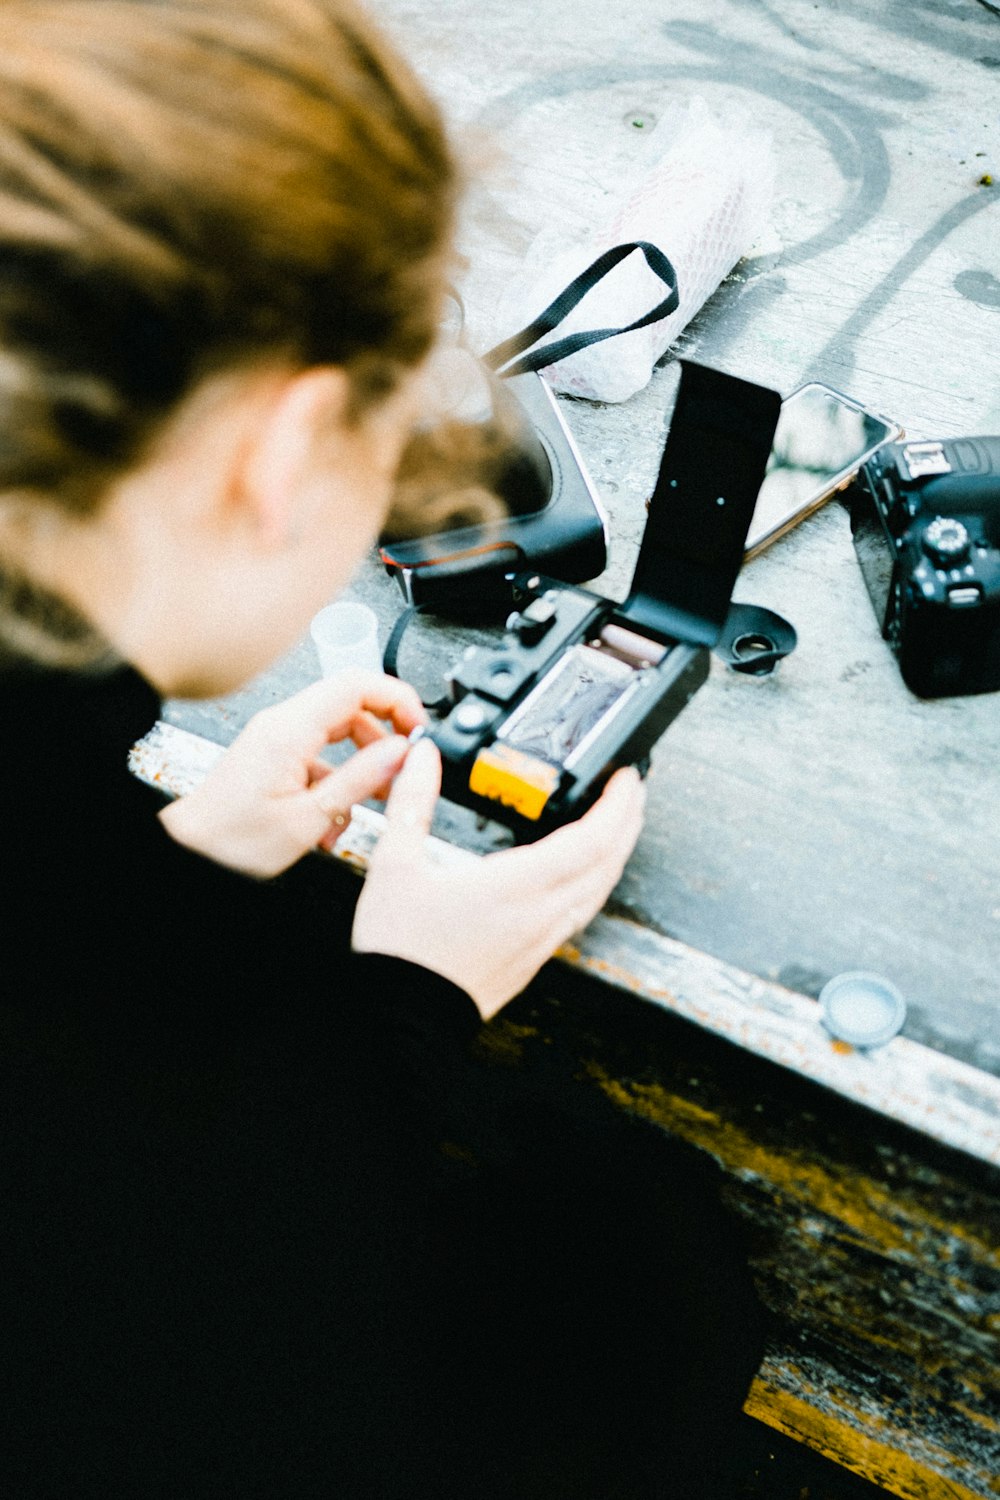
x,y
989,1423
504,1040
865,1208
882,1460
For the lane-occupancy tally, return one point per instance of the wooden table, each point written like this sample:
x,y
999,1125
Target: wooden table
x,y
820,819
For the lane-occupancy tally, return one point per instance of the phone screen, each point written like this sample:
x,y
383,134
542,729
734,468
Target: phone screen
x,y
821,440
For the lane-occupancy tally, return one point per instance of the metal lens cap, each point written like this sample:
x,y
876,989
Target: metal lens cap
x,y
863,1009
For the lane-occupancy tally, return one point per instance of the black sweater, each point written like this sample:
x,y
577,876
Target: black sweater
x,y
265,1232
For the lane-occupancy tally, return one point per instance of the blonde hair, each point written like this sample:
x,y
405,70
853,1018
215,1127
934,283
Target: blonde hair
x,y
186,186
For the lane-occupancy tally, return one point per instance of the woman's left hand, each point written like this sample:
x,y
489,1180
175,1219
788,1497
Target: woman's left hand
x,y
270,798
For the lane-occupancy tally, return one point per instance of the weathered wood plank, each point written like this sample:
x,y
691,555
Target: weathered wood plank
x,y
878,1253
950,1101
884,1456
900,1276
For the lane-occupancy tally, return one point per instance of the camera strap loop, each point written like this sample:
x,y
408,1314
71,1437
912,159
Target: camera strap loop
x,y
390,656
499,358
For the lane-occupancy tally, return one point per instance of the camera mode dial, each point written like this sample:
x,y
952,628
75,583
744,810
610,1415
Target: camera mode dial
x,y
946,541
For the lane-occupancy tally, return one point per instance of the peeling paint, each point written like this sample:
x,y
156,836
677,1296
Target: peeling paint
x,y
860,1204
882,1459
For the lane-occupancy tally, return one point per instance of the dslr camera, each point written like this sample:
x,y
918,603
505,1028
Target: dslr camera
x,y
925,518
581,685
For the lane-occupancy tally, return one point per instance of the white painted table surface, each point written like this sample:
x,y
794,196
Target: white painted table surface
x,y
821,819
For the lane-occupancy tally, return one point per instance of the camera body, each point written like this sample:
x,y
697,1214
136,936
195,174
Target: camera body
x,y
925,518
581,684
539,724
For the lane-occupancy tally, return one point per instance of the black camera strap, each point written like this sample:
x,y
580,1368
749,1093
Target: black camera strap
x,y
390,656
753,639
499,358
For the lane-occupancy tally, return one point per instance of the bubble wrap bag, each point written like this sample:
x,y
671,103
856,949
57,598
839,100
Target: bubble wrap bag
x,y
702,193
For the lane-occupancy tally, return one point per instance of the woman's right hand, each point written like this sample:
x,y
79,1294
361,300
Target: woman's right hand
x,y
489,924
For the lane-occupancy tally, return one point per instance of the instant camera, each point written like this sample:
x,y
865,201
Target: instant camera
x,y
522,453
582,685
925,517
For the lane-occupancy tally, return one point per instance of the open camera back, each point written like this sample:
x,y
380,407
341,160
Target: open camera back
x,y
581,684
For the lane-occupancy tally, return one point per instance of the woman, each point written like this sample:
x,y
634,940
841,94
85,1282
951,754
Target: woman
x,y
233,1259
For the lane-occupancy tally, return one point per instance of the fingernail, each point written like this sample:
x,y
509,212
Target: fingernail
x,y
424,747
390,750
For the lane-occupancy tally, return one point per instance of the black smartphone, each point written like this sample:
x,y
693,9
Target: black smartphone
x,y
820,443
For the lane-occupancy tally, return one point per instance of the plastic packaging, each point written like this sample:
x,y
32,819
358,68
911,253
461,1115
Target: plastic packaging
x,y
702,193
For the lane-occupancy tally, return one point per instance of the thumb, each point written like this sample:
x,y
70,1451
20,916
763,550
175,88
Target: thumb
x,y
409,811
363,775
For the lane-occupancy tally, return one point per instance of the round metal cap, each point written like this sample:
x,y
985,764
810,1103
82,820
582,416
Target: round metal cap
x,y
863,1009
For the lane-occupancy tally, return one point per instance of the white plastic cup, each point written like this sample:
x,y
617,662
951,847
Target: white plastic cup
x,y
345,635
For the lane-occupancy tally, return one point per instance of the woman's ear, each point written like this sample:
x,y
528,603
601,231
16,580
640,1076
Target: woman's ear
x,y
280,458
